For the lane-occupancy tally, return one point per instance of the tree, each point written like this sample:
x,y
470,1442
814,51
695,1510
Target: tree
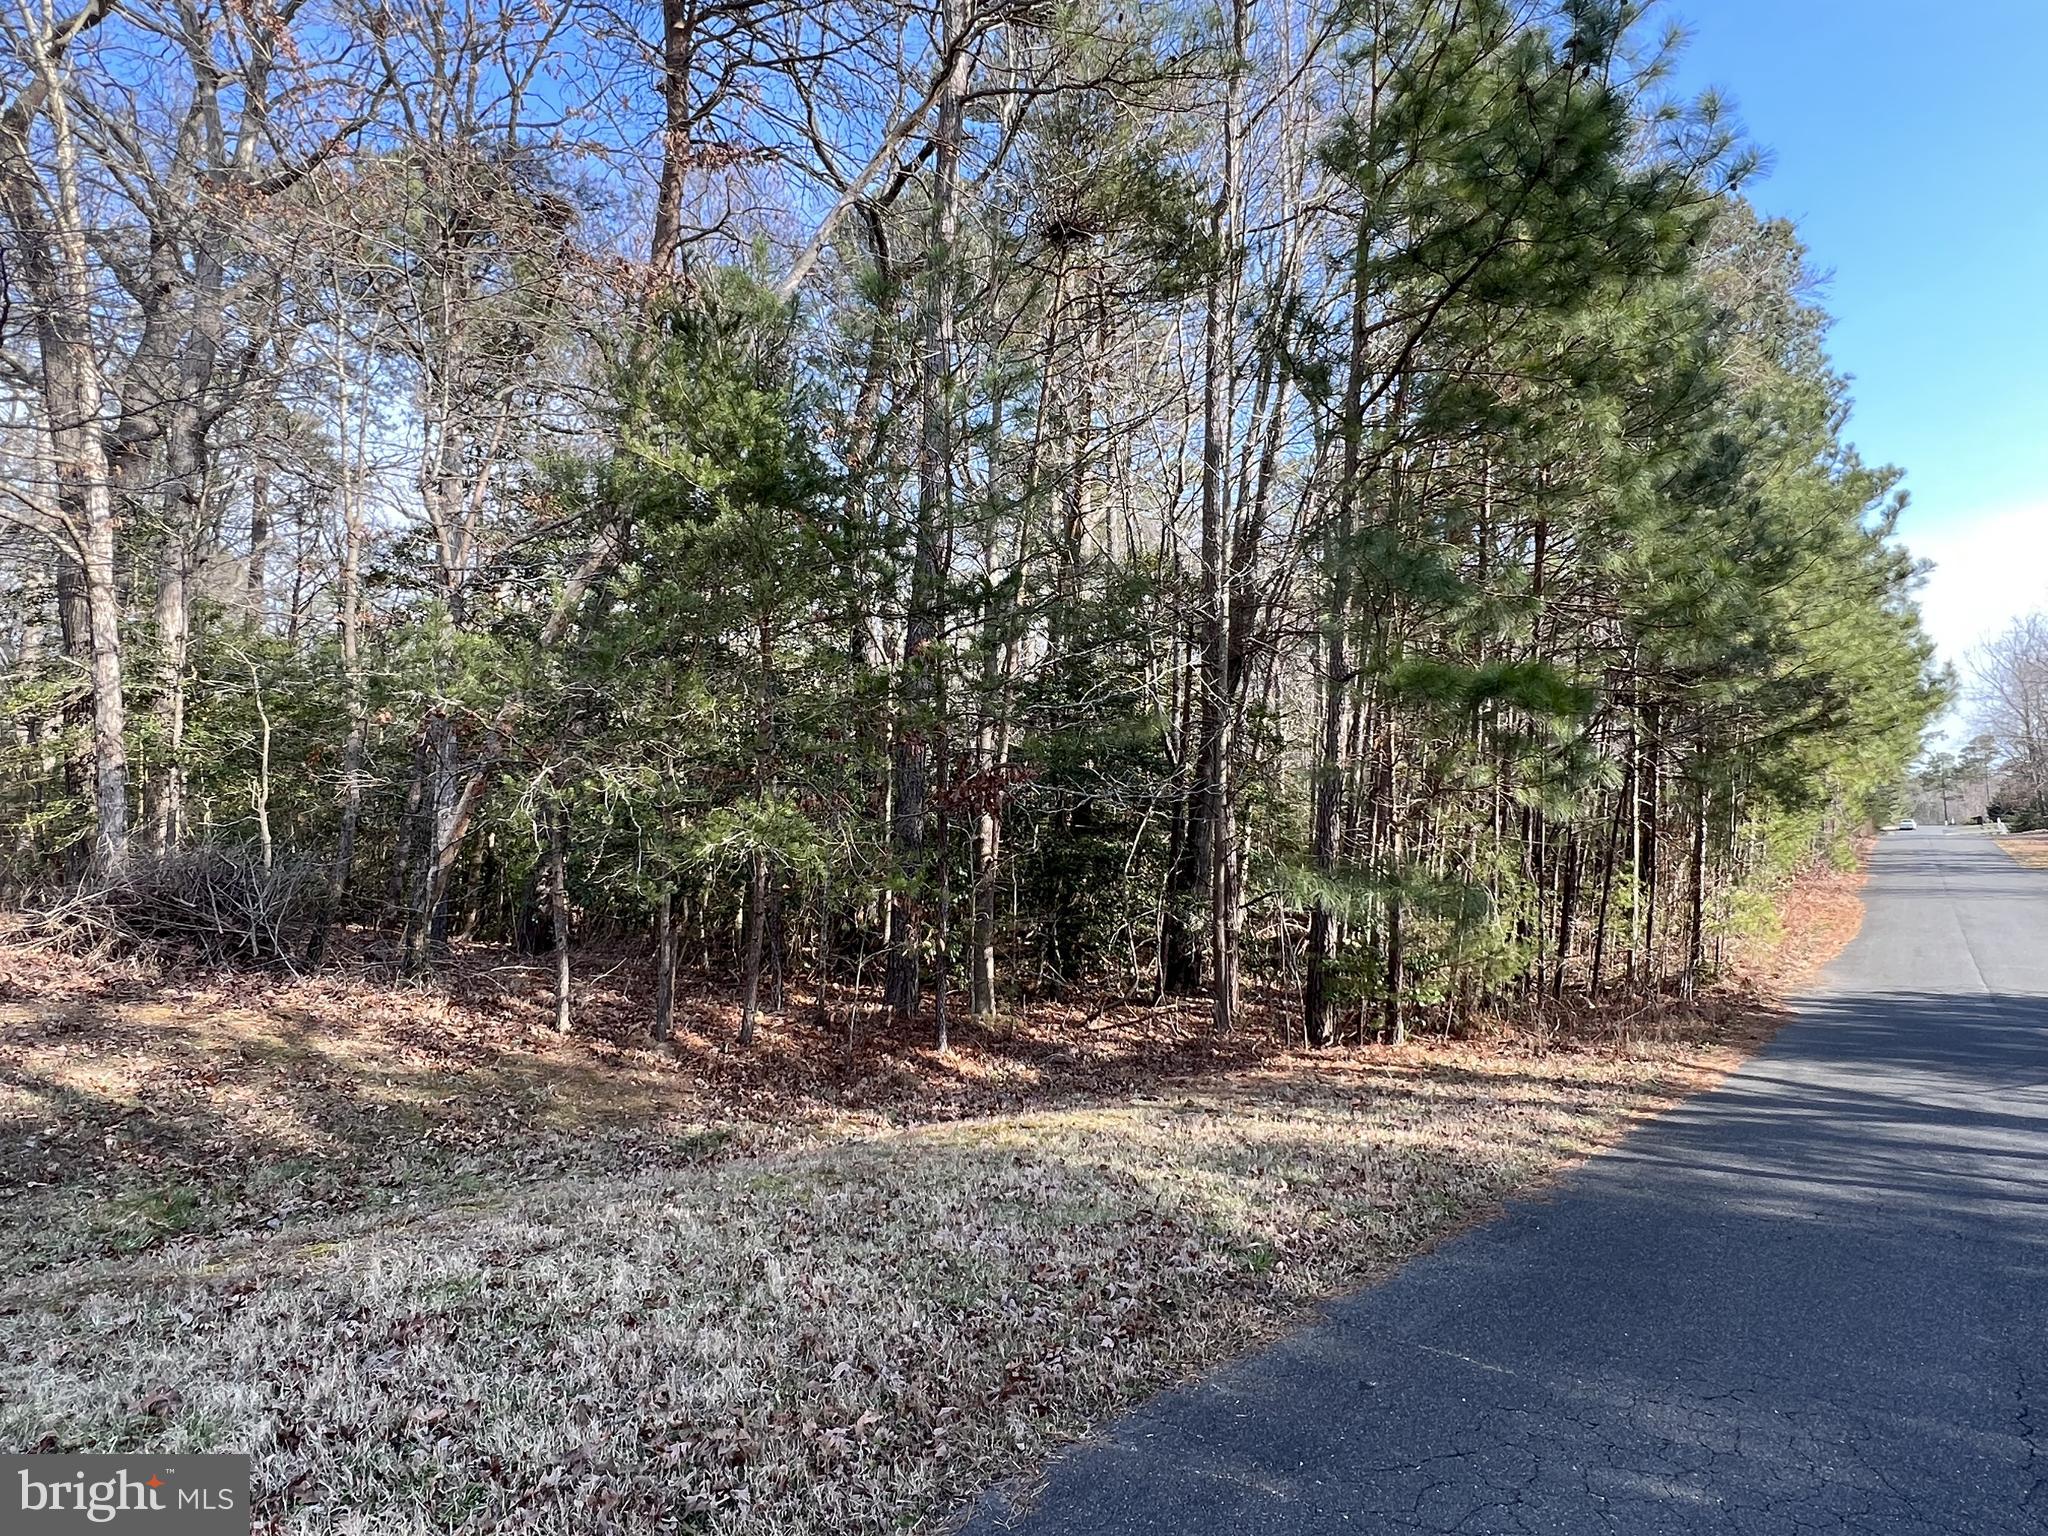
x,y
1336,510
2010,673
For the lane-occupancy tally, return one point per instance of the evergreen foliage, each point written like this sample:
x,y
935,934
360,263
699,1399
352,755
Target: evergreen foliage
x,y
1353,485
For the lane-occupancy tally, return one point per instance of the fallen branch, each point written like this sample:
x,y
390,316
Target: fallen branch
x,y
219,900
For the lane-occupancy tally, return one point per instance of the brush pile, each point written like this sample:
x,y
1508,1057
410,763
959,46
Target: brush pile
x,y
219,902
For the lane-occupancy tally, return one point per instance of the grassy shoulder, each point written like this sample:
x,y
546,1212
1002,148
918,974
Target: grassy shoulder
x,y
2027,848
645,1303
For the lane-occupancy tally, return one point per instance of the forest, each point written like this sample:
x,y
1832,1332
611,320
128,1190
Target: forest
x,y
1337,509
754,752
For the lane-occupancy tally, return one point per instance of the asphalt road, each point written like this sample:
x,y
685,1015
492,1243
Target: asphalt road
x,y
1814,1300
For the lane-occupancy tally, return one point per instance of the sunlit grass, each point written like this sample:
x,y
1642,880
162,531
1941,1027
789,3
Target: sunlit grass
x,y
833,1339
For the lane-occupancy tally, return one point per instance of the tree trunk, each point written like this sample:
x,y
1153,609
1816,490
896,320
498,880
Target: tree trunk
x,y
1567,909
410,843
259,547
942,940
259,793
109,710
678,48
1180,947
1606,896
1397,951
427,923
916,729
665,965
1218,545
1329,772
558,909
1696,928
981,949
74,623
1653,970
349,619
164,787
51,243
756,932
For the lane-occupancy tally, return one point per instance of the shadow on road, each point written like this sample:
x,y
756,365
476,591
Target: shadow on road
x,y
1814,1300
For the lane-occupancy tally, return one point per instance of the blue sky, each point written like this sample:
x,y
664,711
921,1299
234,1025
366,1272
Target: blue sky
x,y
1910,143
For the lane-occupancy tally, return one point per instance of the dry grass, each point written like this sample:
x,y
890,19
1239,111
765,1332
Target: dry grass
x,y
2028,848
438,1281
1819,914
137,1107
827,1340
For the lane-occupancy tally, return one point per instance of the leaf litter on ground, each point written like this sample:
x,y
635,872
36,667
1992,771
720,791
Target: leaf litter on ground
x,y
439,1270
